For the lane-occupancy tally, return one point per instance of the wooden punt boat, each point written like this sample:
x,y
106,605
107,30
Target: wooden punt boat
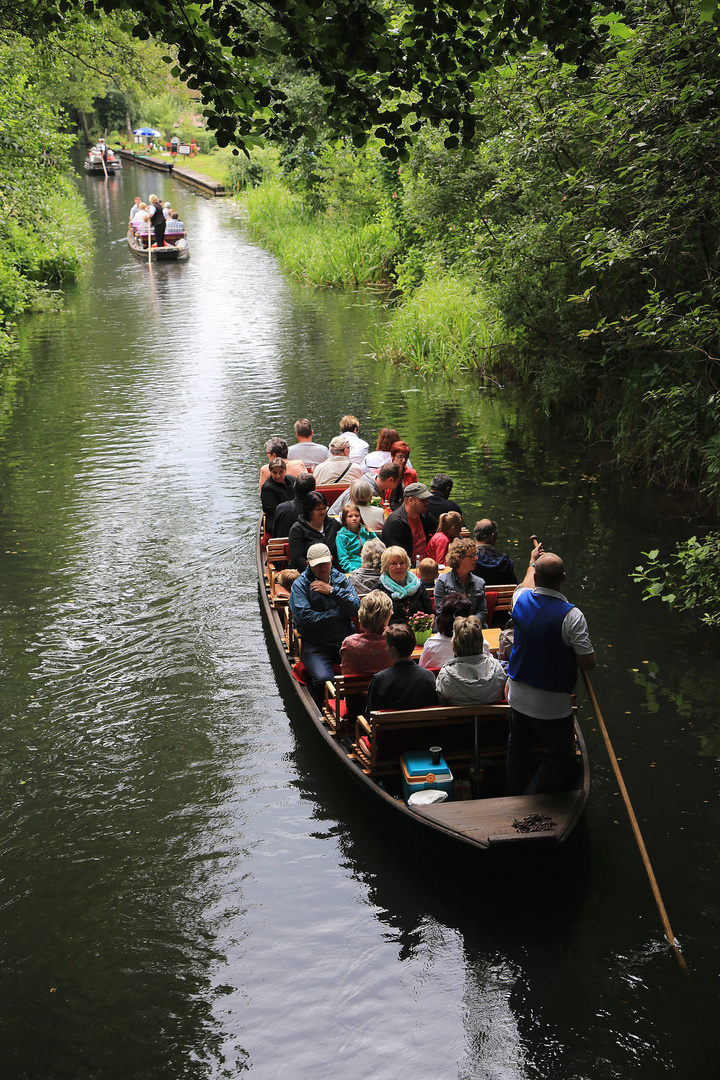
x,y
93,163
177,247
474,740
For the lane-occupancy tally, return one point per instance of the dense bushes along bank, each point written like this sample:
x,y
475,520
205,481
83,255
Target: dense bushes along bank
x,y
44,227
577,249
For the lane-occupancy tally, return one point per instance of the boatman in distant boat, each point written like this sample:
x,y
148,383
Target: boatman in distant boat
x,y
322,602
551,641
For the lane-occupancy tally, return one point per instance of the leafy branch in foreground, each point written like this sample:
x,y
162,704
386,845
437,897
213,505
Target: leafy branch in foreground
x,y
690,580
384,66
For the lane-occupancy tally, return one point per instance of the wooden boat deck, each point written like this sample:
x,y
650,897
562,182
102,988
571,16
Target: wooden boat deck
x,y
488,822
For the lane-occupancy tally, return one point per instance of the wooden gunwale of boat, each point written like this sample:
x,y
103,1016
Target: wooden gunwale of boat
x,y
481,824
166,254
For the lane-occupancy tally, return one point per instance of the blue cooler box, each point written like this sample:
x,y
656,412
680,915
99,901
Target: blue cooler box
x,y
419,773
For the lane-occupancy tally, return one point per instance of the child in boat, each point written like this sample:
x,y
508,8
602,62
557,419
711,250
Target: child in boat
x,y
284,580
428,571
449,526
349,541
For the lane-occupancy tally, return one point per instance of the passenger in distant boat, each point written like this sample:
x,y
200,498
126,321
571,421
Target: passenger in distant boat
x,y
166,210
277,447
449,527
322,603
471,677
312,527
367,577
350,539
174,225
338,468
135,207
157,220
367,651
305,450
358,447
492,565
141,224
381,454
277,489
551,641
400,455
407,592
410,525
428,571
461,579
438,648
287,513
440,502
404,685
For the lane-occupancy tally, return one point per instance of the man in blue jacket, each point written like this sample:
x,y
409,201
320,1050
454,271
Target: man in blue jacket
x,y
322,602
551,641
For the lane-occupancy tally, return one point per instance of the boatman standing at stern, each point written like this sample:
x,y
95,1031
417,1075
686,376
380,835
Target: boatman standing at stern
x,y
551,642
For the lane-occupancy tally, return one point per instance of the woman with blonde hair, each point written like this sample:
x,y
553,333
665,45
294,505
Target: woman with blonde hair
x,y
367,651
471,677
461,558
408,594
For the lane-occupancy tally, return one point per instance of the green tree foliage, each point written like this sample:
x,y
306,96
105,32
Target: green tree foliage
x,y
42,224
690,580
383,67
590,217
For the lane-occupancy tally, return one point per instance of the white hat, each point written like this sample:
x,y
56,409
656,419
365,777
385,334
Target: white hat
x,y
318,553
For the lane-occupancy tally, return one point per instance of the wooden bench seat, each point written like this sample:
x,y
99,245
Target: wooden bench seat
x,y
278,558
502,606
466,733
344,701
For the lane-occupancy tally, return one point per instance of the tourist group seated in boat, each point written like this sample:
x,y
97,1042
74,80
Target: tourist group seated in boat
x,y
366,582
157,220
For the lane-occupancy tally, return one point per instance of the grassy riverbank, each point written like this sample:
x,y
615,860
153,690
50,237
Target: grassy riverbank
x,y
320,249
45,231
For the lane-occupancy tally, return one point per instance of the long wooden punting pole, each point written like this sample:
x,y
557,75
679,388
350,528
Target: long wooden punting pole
x,y
631,814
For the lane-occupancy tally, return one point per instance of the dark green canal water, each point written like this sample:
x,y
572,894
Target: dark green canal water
x,y
189,887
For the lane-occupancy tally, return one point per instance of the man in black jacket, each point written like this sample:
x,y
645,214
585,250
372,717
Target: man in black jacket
x,y
440,502
410,526
287,513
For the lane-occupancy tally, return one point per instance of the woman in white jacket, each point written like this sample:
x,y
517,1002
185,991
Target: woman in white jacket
x,y
471,677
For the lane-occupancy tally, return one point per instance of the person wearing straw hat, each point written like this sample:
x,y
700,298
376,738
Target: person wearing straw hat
x,y
551,641
322,602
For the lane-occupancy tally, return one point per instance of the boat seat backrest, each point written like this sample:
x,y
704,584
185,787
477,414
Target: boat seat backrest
x,y
391,734
499,601
332,491
345,699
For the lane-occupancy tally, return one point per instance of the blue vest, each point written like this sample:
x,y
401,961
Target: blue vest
x,y
539,656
